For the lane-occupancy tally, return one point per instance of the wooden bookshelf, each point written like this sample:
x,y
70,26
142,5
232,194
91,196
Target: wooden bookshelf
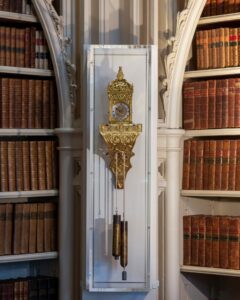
x,y
212,73
28,194
219,19
11,16
28,257
210,271
26,132
210,193
212,132
26,71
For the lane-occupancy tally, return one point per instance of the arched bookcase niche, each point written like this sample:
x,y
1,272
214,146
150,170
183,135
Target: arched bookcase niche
x,y
170,140
69,138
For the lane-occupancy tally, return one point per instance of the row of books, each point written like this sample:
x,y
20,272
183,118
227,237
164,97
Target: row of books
x,y
211,241
28,228
17,6
32,288
27,103
24,47
28,165
211,164
218,7
211,104
217,48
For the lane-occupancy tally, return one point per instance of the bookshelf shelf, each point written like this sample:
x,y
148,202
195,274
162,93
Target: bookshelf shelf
x,y
219,19
210,193
28,257
210,271
26,132
212,73
28,194
212,132
10,16
26,71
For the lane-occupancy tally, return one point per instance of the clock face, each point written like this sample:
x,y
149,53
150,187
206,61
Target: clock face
x,y
120,111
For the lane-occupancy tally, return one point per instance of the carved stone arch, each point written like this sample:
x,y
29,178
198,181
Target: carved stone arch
x,y
176,61
63,69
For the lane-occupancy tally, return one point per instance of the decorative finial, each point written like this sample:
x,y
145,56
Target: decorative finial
x,y
120,75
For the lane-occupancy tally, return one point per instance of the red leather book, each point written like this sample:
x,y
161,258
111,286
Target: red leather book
x,y
206,165
186,240
231,101
237,177
225,164
27,50
211,164
208,242
22,46
212,103
210,49
224,242
33,47
204,105
195,240
199,165
192,171
202,239
197,108
49,166
225,105
219,103
218,167
234,234
215,241
188,105
233,47
232,165
198,46
231,6
237,102
53,106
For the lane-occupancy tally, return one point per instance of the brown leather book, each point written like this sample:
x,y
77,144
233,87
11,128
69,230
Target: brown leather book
x,y
25,228
41,165
27,50
213,7
5,103
204,105
198,50
221,51
225,164
18,221
234,234
3,46
197,108
237,103
211,164
224,242
218,167
192,170
19,166
40,227
18,48
205,50
18,102
26,165
4,166
219,103
199,165
11,166
22,47
53,106
50,231
208,242
226,47
212,103
8,228
25,102
201,50
202,239
195,240
206,165
237,6
186,240
231,6
214,48
25,290
1,4
210,49
33,228
33,46
215,241
225,105
220,7
38,104
207,9
2,228
46,104
231,102
34,165
233,47
17,290
55,164
232,165
13,47
8,46
237,179
188,105
12,104
226,6
49,165
31,104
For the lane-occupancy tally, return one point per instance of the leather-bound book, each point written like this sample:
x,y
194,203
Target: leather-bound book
x,y
231,6
220,7
225,105
25,102
13,47
210,49
11,165
8,46
197,108
200,46
4,166
22,47
232,165
188,105
199,165
34,165
17,292
18,221
27,53
205,50
237,177
234,234
215,241
26,165
18,6
40,227
226,47
207,9
2,4
49,166
8,229
18,48
52,105
212,103
213,7
3,46
5,103
46,104
195,240
2,228
51,223
214,48
237,103
25,228
12,104
224,242
38,104
231,102
25,290
10,290
33,228
55,164
37,49
18,102
211,164
206,165
187,240
33,289
221,57
237,6
31,104
198,50
219,103
233,47
202,240
208,242
192,171
204,105
33,47
41,165
225,164
218,167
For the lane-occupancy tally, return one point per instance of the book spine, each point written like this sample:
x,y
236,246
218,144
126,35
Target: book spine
x,y
214,48
2,228
11,104
55,170
186,240
223,242
40,227
5,103
18,216
234,234
50,231
31,104
46,104
18,48
8,229
19,165
198,48
219,103
37,49
52,105
25,102
192,171
213,7
188,106
231,102
237,179
207,9
4,166
49,165
26,165
237,103
226,47
8,46
34,165
233,45
199,165
225,164
212,104
38,104
22,47
25,228
210,49
232,165
220,7
195,240
13,47
33,47
197,109
208,242
41,165
211,164
221,48
3,46
27,54
218,168
204,105
225,105
33,228
11,166
202,239
205,50
215,241
231,6
206,165
18,102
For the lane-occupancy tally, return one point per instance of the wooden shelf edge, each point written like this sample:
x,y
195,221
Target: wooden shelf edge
x,y
210,193
219,18
26,71
23,132
212,132
12,16
210,271
37,193
211,72
28,257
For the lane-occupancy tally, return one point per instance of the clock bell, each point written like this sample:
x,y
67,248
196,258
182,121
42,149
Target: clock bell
x,y
120,135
